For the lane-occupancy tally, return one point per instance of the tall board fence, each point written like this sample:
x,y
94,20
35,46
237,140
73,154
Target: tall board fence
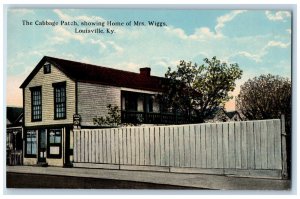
x,y
247,148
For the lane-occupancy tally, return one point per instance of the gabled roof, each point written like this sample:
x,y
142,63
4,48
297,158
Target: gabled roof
x,y
221,110
13,116
99,75
231,114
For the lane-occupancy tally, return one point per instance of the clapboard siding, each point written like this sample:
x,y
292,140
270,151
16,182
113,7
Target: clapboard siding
x,y
251,145
45,81
93,100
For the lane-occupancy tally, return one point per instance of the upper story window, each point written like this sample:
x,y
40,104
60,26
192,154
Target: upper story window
x,y
36,103
47,68
59,100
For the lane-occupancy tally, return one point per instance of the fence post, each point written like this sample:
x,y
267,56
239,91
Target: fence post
x,y
284,173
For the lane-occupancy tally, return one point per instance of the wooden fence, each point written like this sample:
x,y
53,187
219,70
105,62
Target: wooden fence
x,y
236,148
14,157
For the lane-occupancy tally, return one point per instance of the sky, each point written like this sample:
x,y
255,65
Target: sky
x,y
258,40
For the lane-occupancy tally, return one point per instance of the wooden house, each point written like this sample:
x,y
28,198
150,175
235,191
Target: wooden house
x,y
58,90
221,115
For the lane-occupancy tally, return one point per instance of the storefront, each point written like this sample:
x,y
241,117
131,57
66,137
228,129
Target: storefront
x,y
48,145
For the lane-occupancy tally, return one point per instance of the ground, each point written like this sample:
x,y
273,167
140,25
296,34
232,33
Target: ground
x,y
58,177
21,180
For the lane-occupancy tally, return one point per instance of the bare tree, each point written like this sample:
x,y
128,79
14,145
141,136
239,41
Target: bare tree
x,y
265,97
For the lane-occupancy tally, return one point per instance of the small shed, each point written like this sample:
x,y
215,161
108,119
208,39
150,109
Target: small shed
x,y
14,141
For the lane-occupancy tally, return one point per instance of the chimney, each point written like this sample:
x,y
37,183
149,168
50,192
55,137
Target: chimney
x,y
145,71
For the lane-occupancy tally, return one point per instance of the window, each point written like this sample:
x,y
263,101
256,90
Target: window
x,y
55,137
131,101
47,68
59,100
36,103
54,143
31,143
151,99
148,103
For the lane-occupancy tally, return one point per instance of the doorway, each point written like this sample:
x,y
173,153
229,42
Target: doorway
x,y
42,146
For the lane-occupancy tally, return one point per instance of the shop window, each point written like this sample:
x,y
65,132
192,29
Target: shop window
x,y
54,143
31,143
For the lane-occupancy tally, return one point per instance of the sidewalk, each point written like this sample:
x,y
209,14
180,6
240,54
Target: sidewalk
x,y
188,180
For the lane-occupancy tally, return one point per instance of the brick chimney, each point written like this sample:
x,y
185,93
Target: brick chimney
x,y
145,71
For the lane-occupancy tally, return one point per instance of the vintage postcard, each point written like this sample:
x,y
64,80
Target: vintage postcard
x,y
140,98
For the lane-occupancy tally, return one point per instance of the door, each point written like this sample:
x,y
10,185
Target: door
x,y
42,145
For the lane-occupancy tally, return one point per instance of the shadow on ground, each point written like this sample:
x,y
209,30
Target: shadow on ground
x,y
20,180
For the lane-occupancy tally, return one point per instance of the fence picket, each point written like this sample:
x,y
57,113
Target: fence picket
x,y
101,145
81,138
152,144
124,145
257,145
162,146
142,147
264,144
156,146
95,132
120,142
172,147
128,145
132,143
76,146
167,146
214,151
112,145
181,146
244,146
208,146
187,145
203,147
93,148
75,159
238,145
86,146
220,160
109,146
176,147
225,145
137,146
271,150
192,146
104,148
250,145
277,144
90,153
198,146
231,145
147,149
